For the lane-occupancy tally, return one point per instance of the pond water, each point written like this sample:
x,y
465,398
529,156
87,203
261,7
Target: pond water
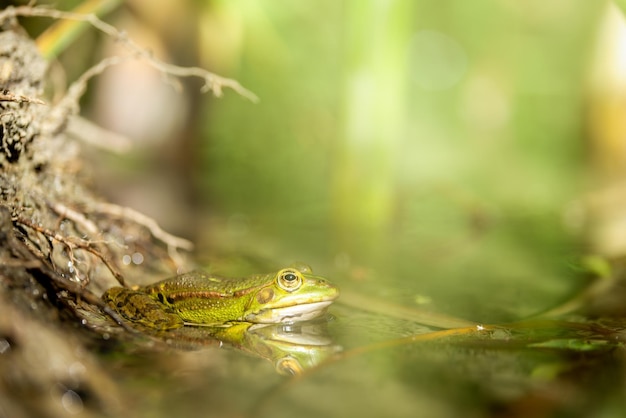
x,y
388,367
392,347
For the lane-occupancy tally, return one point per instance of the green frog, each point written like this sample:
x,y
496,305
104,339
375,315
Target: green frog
x,y
197,298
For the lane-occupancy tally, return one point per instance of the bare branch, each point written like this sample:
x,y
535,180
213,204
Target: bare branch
x,y
146,221
7,96
70,102
76,217
212,82
95,135
72,243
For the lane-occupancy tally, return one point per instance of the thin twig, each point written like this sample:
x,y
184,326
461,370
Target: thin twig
x,y
22,248
95,135
76,217
212,82
146,221
91,298
7,96
74,243
69,104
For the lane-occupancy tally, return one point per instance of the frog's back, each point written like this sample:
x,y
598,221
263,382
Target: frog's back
x,y
201,298
209,284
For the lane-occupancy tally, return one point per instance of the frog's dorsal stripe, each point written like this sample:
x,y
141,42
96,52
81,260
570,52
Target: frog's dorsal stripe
x,y
172,297
206,286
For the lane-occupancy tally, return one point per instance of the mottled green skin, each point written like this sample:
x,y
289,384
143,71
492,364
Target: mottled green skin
x,y
200,298
137,307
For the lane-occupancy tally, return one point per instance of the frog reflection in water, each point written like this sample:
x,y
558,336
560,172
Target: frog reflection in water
x,y
198,298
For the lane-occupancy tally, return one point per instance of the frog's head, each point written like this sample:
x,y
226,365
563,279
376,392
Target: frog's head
x,y
292,294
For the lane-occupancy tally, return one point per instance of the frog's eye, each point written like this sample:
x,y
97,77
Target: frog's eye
x,y
288,366
289,280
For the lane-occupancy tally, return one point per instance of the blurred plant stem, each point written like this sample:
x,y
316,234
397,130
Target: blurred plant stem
x,y
607,131
376,41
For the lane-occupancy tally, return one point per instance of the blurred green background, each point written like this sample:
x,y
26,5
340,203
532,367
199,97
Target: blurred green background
x,y
435,153
409,147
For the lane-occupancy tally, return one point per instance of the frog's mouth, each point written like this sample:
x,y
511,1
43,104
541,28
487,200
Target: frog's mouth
x,y
289,314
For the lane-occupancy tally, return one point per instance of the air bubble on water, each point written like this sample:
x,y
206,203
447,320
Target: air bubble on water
x,y
137,258
5,346
72,402
126,259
